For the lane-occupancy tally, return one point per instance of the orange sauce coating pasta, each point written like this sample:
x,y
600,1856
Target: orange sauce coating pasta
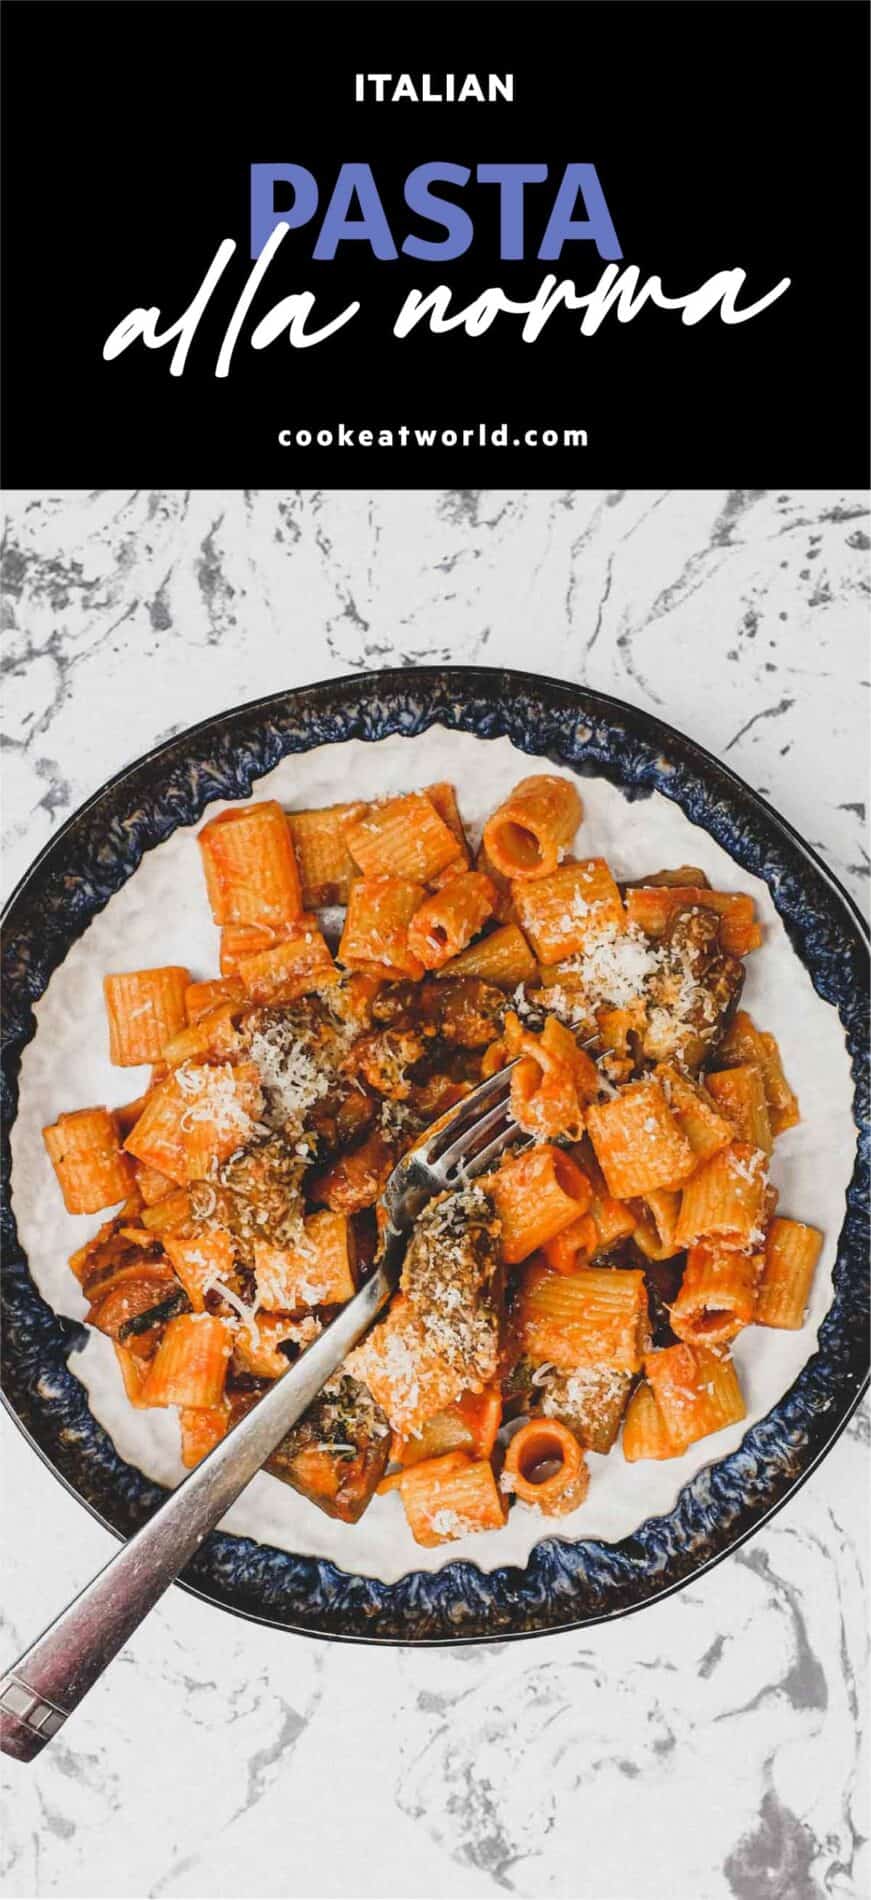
x,y
403,838
527,836
563,912
85,1152
545,1465
145,1008
450,1497
638,1143
652,908
792,1250
250,865
717,1295
379,912
446,923
250,1212
536,1195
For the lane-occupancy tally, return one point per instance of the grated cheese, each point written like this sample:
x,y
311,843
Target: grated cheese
x,y
288,1070
214,1098
748,1170
600,1384
447,1523
616,966
246,1314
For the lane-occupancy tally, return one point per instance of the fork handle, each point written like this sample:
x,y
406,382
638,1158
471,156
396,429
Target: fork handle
x,y
50,1679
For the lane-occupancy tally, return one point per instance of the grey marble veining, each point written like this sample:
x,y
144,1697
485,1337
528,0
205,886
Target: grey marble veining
x,y
708,1748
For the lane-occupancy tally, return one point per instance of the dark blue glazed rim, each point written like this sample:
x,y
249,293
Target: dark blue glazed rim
x,y
564,1585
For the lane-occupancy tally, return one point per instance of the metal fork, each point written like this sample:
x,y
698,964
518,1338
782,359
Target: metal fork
x,y
48,1681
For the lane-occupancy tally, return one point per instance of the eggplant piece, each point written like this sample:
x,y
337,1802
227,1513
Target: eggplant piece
x,y
134,1292
453,1279
176,1302
470,1011
590,1401
662,1279
692,957
384,1058
337,1453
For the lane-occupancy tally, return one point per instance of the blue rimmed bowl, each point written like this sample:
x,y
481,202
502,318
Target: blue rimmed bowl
x,y
563,1585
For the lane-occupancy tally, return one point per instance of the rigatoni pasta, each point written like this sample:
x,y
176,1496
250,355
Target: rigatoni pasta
x,y
144,1009
591,1283
530,833
251,871
791,1253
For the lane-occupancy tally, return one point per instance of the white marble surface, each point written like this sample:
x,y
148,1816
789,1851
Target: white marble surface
x,y
708,1748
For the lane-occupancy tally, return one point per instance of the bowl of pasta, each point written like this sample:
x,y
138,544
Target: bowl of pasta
x,y
248,976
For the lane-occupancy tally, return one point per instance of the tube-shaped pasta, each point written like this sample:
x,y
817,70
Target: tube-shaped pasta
x,y
247,940
199,1261
536,1195
402,838
320,1271
202,998
791,1253
638,1143
443,796
545,1465
151,1184
725,1199
214,1038
506,909
590,1400
355,1180
652,907
528,834
170,1215
742,1043
145,1008
698,1118
657,1216
325,863
257,1346
379,912
405,1376
740,1093
85,1152
450,1497
597,1316
289,969
202,1428
190,1365
566,910
615,1220
697,1392
782,1100
574,1247
197,1114
469,1425
447,922
552,1082
717,1295
134,1372
644,1429
250,866
503,958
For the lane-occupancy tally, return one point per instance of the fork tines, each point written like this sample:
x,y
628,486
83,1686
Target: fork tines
x,y
476,1132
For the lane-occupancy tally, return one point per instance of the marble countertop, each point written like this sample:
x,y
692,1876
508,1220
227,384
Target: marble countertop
x,y
708,1748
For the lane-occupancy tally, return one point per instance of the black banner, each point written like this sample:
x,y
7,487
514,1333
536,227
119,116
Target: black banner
x,y
599,244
